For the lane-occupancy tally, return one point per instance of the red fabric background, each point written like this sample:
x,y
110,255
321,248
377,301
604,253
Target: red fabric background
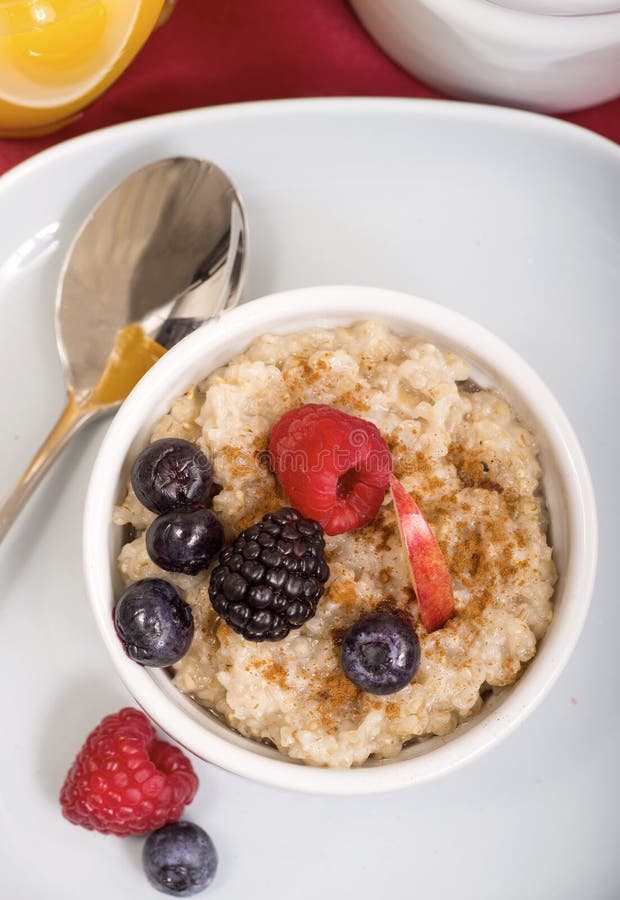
x,y
222,51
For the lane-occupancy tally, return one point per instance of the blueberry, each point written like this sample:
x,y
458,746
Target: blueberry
x,y
155,625
171,474
179,859
184,541
380,653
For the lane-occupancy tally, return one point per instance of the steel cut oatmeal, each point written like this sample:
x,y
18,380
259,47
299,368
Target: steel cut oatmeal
x,y
473,469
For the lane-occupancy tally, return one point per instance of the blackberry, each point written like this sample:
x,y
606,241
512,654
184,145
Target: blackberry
x,y
271,578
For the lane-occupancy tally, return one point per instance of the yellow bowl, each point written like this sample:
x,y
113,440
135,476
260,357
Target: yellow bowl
x,y
57,56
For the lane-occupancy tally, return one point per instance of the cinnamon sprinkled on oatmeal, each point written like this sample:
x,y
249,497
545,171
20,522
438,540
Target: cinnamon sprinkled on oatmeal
x,y
392,710
240,461
342,592
352,402
271,499
472,468
272,672
223,632
336,698
382,530
385,574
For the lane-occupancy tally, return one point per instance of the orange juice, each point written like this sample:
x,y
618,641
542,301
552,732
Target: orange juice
x,y
56,56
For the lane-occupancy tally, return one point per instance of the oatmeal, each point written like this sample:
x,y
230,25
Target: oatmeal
x,y
473,469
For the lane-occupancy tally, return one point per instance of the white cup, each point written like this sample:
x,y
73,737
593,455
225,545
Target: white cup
x,y
482,50
561,7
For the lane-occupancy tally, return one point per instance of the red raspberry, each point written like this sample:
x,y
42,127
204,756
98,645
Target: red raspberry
x,y
334,467
125,781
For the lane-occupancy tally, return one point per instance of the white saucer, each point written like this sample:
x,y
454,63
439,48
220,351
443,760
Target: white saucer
x,y
511,218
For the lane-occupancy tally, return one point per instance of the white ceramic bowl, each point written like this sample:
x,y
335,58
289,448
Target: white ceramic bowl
x,y
567,486
561,7
480,50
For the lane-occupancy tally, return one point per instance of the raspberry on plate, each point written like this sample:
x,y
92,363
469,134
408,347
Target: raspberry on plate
x,y
125,781
334,467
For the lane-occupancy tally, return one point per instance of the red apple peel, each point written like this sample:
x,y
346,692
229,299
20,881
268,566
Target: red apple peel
x,y
429,573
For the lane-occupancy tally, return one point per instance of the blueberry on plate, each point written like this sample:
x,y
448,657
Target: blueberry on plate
x,y
185,541
380,653
171,474
179,859
155,625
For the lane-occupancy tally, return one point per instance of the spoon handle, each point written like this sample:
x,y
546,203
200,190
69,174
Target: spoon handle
x,y
70,421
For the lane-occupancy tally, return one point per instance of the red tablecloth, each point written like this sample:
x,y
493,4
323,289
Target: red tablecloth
x,y
221,51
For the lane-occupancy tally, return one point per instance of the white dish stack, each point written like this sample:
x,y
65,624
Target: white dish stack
x,y
551,56
561,7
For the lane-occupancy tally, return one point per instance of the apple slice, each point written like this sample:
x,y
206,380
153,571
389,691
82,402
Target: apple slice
x,y
427,567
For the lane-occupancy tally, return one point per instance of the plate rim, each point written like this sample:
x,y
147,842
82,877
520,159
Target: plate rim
x,y
414,106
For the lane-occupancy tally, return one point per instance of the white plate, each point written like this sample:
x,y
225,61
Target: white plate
x,y
511,218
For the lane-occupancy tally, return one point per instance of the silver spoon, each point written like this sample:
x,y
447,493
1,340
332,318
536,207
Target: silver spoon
x,y
164,252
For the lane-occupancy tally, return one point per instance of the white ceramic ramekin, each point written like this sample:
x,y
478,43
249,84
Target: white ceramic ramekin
x,y
566,481
561,7
480,50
